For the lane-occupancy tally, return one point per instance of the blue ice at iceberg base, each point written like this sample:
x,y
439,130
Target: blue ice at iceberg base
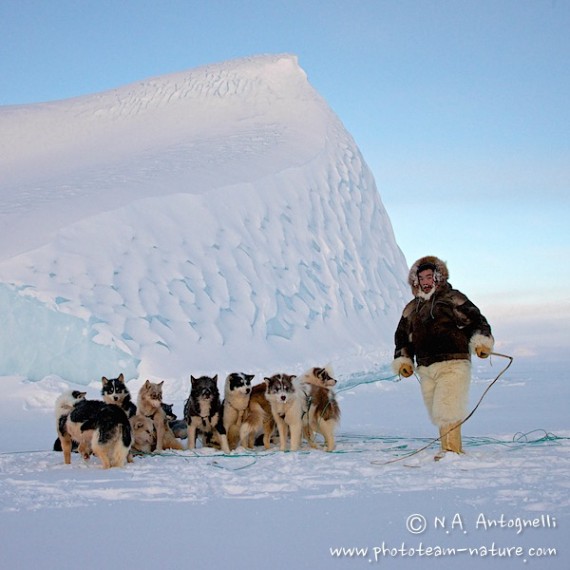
x,y
36,341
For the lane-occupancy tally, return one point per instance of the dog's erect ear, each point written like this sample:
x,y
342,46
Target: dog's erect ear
x,y
250,377
192,379
104,380
160,384
293,376
215,378
121,378
147,384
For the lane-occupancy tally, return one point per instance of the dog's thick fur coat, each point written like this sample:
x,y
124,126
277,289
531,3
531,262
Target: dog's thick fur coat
x,y
98,428
115,391
144,434
203,413
237,392
321,412
63,405
286,401
257,419
149,404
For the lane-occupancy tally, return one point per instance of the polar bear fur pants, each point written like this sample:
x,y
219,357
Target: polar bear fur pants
x,y
445,390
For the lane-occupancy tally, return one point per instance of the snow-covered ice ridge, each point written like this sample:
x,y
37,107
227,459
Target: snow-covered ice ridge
x,y
207,221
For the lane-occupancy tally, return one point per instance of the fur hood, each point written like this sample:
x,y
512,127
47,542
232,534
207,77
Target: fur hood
x,y
441,273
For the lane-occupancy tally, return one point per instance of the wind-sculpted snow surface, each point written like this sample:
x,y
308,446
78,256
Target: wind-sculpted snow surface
x,y
212,220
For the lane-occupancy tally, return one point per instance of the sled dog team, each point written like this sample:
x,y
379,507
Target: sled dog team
x,y
287,405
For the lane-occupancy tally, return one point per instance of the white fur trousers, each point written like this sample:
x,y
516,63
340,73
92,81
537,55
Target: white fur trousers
x,y
445,389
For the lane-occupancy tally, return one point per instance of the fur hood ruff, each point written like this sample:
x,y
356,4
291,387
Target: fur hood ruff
x,y
441,273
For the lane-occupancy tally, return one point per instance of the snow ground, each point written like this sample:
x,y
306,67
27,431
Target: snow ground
x,y
286,510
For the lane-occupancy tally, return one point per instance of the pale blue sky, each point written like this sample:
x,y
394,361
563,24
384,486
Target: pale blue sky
x,y
461,109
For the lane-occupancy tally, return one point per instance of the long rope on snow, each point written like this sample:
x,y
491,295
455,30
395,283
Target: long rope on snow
x,y
435,440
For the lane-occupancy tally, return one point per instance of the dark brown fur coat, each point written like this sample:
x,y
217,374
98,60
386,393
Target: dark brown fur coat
x,y
441,327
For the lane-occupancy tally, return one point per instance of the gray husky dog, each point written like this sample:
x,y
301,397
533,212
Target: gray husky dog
x,y
286,400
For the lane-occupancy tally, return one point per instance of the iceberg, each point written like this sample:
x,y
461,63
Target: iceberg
x,y
214,220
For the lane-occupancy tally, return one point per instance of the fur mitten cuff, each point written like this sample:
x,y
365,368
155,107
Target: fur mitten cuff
x,y
481,345
397,364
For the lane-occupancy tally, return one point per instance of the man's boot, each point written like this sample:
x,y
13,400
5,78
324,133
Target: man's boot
x,y
450,438
454,438
443,440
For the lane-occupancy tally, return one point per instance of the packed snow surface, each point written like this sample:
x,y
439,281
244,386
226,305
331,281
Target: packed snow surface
x,y
306,509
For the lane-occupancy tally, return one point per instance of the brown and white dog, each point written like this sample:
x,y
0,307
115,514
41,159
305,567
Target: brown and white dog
x,y
321,412
149,404
237,392
286,400
257,419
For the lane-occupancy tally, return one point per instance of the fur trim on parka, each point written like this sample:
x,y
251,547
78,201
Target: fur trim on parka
x,y
441,273
446,325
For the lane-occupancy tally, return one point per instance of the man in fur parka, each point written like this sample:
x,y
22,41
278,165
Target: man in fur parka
x,y
439,329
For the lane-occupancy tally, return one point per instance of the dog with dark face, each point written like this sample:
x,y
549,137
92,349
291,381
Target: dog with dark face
x,y
115,391
286,401
203,413
237,392
179,427
321,412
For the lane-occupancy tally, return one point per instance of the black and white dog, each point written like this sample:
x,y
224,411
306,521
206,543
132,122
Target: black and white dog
x,y
97,428
115,391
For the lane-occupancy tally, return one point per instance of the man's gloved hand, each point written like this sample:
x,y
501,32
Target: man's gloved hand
x,y
482,351
406,370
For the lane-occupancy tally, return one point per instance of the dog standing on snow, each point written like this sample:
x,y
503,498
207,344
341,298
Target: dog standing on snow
x,y
286,401
97,427
237,392
321,412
